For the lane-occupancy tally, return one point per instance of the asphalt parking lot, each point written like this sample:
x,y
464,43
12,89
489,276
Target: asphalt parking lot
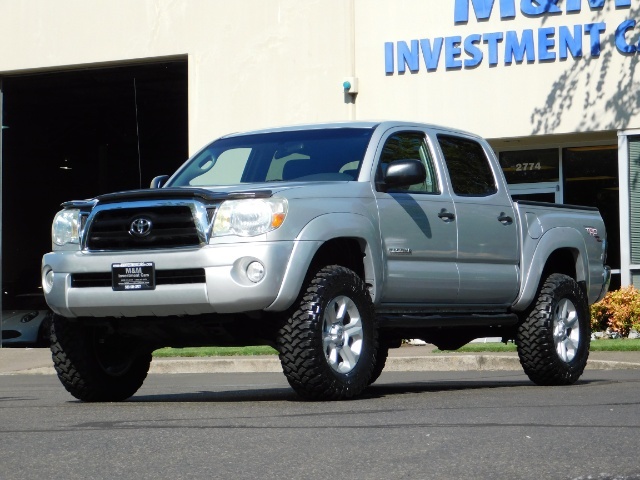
x,y
428,424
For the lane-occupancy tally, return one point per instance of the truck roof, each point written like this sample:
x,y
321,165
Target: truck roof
x,y
372,124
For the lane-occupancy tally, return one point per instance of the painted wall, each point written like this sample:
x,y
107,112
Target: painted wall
x,y
256,63
252,63
591,92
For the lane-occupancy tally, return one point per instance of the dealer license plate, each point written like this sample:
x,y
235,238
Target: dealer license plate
x,y
133,276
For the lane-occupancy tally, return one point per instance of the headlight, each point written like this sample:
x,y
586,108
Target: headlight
x,y
249,217
65,227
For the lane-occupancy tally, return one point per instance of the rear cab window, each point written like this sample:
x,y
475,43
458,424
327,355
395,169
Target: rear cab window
x,y
469,168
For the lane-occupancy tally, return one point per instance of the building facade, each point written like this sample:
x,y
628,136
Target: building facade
x,y
551,84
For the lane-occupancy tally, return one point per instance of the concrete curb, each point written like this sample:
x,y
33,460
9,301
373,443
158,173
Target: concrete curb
x,y
439,363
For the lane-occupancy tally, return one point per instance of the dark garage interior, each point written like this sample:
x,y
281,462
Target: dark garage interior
x,y
74,135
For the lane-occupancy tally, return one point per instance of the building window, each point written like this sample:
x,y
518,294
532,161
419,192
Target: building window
x,y
591,179
529,166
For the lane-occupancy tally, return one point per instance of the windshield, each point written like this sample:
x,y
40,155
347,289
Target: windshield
x,y
330,154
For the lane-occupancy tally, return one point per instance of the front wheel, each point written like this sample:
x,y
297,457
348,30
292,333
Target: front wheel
x,y
95,365
328,346
553,341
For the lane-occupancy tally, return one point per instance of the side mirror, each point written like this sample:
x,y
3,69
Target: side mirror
x,y
158,181
403,173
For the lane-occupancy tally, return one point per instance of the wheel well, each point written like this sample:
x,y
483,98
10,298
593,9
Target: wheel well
x,y
346,252
562,261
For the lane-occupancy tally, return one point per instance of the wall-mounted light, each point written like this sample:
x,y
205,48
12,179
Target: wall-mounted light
x,y
350,85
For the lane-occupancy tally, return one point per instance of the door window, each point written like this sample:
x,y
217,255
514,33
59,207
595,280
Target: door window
x,y
405,146
468,166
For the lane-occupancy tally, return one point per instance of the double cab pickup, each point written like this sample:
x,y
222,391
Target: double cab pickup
x,y
331,243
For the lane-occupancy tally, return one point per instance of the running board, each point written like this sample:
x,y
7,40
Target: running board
x,y
447,320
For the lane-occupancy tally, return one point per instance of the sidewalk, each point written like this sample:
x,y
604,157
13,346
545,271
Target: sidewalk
x,y
406,358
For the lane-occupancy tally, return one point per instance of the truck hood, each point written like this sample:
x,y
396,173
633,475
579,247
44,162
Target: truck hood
x,y
210,194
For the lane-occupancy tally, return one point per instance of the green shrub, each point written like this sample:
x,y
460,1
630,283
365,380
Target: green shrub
x,y
618,311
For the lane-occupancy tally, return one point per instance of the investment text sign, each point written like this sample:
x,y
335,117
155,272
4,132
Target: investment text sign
x,y
544,44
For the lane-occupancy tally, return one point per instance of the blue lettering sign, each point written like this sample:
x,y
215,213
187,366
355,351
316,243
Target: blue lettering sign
x,y
621,42
492,39
576,5
408,56
452,52
569,42
471,48
536,8
594,30
431,55
388,58
482,9
514,49
546,42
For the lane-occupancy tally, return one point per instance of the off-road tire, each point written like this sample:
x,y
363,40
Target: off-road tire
x,y
556,357
381,360
316,364
95,367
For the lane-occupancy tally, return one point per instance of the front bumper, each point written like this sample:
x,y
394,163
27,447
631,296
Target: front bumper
x,y
225,288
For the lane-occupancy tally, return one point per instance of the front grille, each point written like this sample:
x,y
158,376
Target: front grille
x,y
171,226
163,277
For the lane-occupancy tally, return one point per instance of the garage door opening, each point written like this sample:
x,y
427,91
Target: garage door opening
x,y
74,135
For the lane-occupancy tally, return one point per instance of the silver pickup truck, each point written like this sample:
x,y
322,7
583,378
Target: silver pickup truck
x,y
332,243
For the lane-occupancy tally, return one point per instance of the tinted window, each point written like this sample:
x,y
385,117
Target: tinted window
x,y
468,166
405,146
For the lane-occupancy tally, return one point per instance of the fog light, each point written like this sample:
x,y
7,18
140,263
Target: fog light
x,y
255,272
47,280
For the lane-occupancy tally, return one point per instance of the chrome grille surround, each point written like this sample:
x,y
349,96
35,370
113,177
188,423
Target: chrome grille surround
x,y
177,224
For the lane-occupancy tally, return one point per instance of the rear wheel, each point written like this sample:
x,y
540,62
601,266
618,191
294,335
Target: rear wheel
x,y
95,365
553,341
328,346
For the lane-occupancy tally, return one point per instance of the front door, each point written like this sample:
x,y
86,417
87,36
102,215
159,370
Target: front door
x,y
418,229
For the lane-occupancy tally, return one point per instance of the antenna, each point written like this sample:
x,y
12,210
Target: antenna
x,y
135,100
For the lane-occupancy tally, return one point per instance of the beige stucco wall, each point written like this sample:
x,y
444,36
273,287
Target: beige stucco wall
x,y
255,63
252,63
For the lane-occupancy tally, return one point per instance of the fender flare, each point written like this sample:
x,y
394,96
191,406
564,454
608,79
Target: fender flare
x,y
554,239
321,229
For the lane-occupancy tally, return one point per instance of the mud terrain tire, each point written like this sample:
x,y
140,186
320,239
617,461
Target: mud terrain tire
x,y
328,346
94,366
553,341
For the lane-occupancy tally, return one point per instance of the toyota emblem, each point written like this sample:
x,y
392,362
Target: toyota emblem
x,y
140,227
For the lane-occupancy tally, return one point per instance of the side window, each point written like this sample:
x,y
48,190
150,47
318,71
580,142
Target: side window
x,y
405,146
468,166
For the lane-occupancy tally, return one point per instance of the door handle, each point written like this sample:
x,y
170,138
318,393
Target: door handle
x,y
505,219
448,216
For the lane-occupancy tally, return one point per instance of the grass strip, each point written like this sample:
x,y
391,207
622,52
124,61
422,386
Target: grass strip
x,y
214,351
601,345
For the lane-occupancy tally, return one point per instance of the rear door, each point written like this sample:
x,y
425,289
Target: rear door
x,y
488,253
417,226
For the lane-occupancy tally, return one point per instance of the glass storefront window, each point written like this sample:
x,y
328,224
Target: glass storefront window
x,y
529,166
591,179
